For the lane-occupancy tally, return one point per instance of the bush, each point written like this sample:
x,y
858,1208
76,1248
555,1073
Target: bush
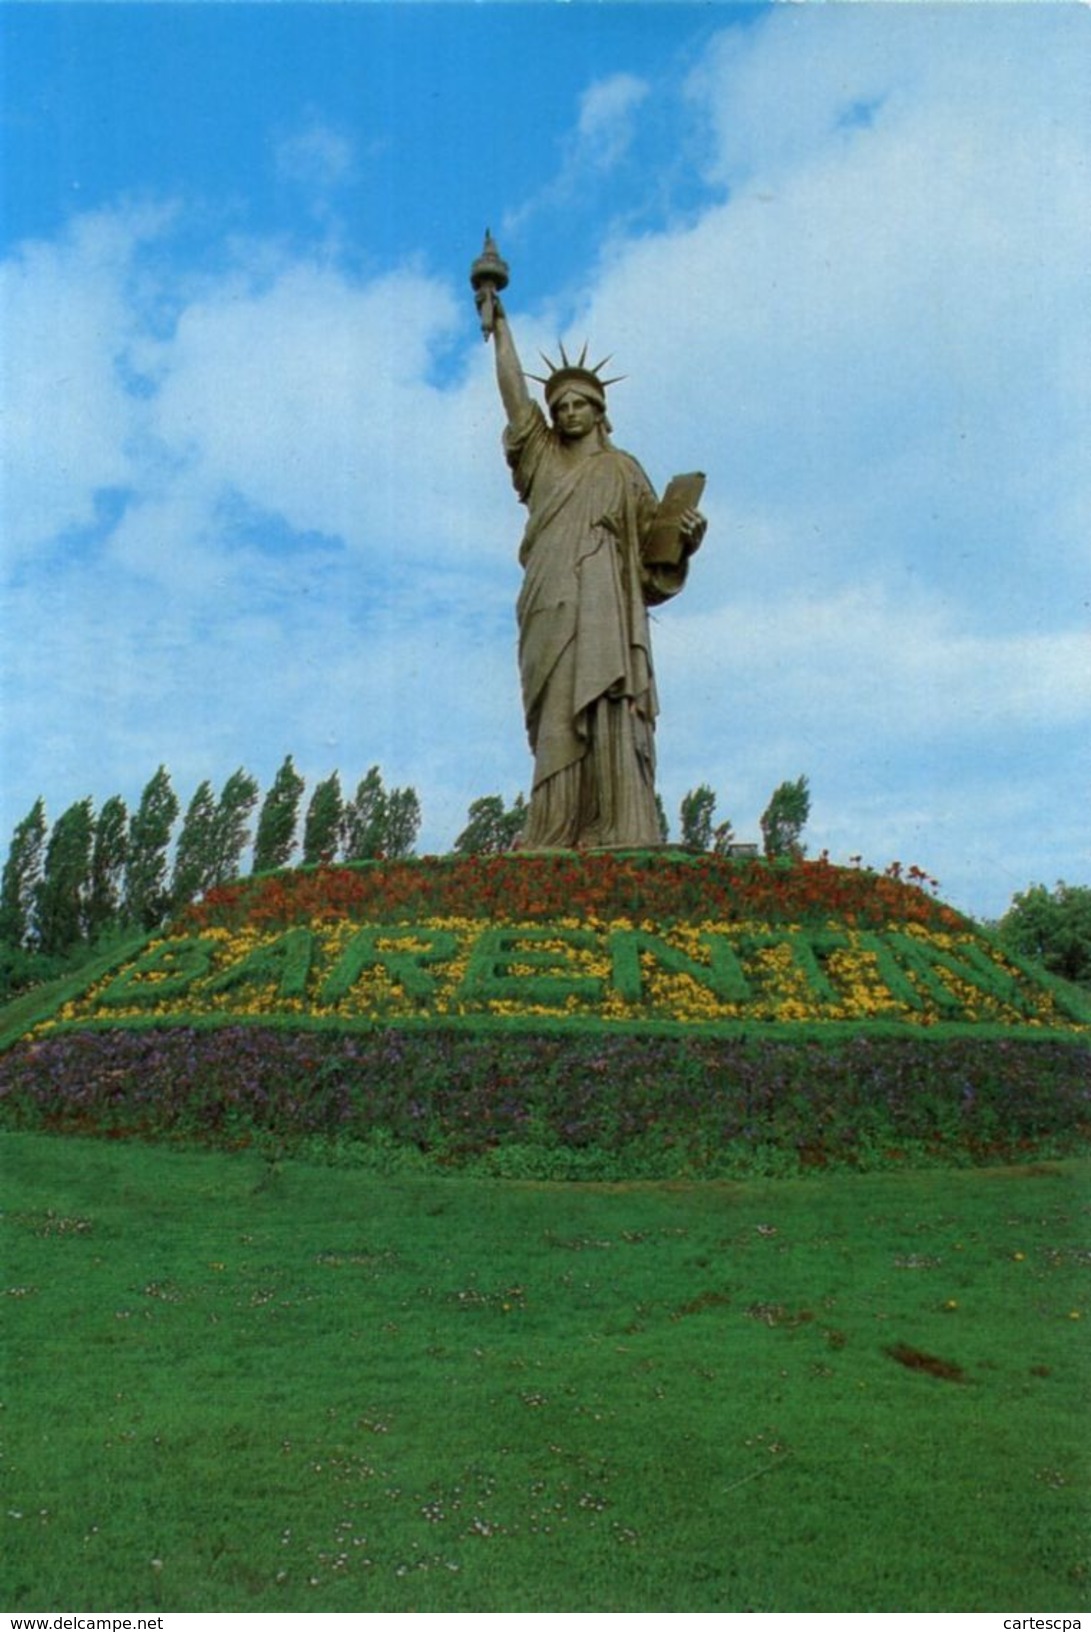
x,y
21,969
1054,928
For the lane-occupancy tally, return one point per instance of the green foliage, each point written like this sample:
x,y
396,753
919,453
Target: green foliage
x,y
22,873
193,856
284,963
498,953
784,819
370,948
111,847
214,835
647,1104
172,965
661,817
723,837
322,827
696,813
403,817
62,892
33,986
277,822
380,822
365,818
491,829
722,974
230,833
147,898
319,1391
21,969
1054,927
696,817
124,881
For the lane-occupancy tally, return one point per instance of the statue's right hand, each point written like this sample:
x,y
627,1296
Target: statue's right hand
x,y
488,305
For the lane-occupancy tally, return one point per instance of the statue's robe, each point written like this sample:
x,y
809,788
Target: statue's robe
x,y
584,652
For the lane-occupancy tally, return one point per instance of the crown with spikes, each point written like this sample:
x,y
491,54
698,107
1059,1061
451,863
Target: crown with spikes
x,y
576,376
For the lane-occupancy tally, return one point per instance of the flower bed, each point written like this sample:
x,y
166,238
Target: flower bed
x,y
600,1014
623,975
562,1105
664,887
625,940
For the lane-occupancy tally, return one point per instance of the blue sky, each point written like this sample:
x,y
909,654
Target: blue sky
x,y
254,499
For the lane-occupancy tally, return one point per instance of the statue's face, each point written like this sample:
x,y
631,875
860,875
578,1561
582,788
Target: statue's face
x,y
575,416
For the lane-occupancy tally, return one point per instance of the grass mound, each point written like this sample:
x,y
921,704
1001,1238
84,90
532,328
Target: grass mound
x,y
598,1015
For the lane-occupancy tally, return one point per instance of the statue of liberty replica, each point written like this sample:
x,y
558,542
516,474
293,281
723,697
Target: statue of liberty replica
x,y
598,550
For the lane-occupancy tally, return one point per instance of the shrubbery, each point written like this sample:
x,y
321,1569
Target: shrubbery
x,y
566,1015
1054,927
587,1105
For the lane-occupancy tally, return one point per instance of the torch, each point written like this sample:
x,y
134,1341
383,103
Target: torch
x,y
488,275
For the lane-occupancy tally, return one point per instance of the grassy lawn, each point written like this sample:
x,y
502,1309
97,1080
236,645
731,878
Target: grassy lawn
x,y
238,1386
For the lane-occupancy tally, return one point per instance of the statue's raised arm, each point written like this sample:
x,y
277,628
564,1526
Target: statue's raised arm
x,y
594,557
488,275
509,370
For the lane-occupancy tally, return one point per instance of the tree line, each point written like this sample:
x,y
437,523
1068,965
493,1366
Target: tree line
x,y
68,889
72,887
94,875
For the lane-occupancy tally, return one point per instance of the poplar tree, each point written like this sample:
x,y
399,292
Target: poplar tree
x,y
62,892
193,858
322,827
108,855
784,819
277,820
695,816
22,873
402,823
365,818
231,834
147,899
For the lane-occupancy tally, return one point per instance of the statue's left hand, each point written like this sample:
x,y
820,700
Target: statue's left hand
x,y
692,526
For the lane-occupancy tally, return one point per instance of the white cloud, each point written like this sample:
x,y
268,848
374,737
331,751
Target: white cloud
x,y
604,128
805,86
602,137
294,391
853,668
317,157
68,326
